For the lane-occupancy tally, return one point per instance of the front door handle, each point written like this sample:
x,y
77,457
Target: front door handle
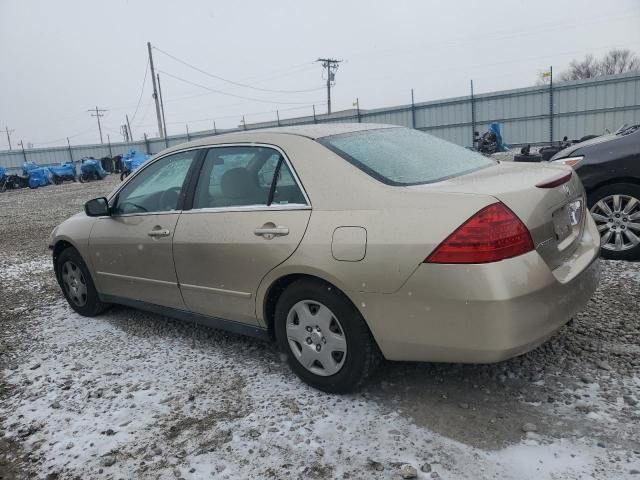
x,y
269,230
159,232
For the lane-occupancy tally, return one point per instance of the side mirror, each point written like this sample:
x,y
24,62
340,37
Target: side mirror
x,y
98,207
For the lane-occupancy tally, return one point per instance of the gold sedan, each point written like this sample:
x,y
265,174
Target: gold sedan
x,y
346,243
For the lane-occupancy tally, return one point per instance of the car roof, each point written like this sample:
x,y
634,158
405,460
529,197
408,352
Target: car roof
x,y
320,130
314,132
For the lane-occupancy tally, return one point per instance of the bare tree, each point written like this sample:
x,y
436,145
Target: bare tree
x,y
614,62
619,61
578,70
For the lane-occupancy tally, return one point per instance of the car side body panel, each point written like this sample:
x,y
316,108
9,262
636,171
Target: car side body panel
x,y
608,159
220,260
127,262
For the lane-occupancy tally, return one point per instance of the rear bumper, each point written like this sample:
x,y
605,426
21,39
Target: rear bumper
x,y
481,313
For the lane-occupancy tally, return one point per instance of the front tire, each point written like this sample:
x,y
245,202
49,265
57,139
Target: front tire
x,y
326,340
77,285
616,211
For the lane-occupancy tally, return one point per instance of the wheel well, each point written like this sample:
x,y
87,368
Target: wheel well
x,y
613,181
58,248
277,288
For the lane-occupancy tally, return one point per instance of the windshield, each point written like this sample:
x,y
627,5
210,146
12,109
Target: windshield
x,y
401,156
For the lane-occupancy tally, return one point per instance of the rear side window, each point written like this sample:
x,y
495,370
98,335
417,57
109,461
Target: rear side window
x,y
401,156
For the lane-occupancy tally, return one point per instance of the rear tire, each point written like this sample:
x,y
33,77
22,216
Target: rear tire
x,y
361,355
601,202
77,285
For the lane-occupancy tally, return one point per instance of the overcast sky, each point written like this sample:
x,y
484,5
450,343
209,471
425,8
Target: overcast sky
x,y
60,58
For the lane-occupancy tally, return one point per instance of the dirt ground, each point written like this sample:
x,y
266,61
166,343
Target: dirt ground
x,y
135,395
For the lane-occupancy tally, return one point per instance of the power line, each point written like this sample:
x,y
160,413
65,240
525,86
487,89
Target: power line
x,y
287,73
238,84
63,138
221,92
146,70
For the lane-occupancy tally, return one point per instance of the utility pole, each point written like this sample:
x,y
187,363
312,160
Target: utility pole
x,y
24,154
124,131
413,111
129,128
331,65
164,121
6,129
99,113
70,151
278,115
551,104
155,90
473,116
215,130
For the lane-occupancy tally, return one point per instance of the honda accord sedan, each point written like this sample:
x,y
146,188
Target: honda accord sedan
x,y
346,244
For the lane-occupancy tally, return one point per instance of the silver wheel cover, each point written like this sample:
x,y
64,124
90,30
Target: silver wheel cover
x,y
316,338
74,283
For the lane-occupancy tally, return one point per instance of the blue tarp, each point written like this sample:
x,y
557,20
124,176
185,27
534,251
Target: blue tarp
x,y
3,172
133,159
63,170
92,166
495,129
28,166
39,177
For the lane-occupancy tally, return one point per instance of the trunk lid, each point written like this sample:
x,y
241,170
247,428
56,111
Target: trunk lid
x,y
554,216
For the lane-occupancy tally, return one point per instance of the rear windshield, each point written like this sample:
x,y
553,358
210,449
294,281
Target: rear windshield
x,y
401,156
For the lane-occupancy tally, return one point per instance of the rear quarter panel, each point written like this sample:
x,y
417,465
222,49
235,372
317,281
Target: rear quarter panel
x,y
610,162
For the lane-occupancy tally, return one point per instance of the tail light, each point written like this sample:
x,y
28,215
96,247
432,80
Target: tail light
x,y
571,161
492,234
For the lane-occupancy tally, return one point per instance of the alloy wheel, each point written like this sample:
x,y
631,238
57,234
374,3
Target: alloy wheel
x,y
316,338
618,221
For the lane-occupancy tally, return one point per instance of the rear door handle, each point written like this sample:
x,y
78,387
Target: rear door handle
x,y
270,232
157,233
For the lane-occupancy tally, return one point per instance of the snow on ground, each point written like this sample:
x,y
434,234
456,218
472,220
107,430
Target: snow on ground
x,y
114,395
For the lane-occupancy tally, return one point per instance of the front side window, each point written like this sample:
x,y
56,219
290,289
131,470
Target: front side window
x,y
243,176
401,156
157,188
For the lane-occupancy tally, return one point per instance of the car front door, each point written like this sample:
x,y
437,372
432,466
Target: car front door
x,y
131,248
249,215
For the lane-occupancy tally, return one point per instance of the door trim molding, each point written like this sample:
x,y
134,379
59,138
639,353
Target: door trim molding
x,y
221,291
213,322
137,279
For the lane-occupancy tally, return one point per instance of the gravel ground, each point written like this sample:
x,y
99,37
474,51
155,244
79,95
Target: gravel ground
x,y
134,395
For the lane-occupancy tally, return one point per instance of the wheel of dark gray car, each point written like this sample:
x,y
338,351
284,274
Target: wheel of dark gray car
x,y
76,283
326,340
616,211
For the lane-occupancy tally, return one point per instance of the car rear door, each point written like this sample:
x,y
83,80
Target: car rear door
x,y
233,236
131,248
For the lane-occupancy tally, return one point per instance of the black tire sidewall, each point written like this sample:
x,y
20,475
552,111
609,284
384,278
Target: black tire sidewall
x,y
361,348
614,189
93,306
